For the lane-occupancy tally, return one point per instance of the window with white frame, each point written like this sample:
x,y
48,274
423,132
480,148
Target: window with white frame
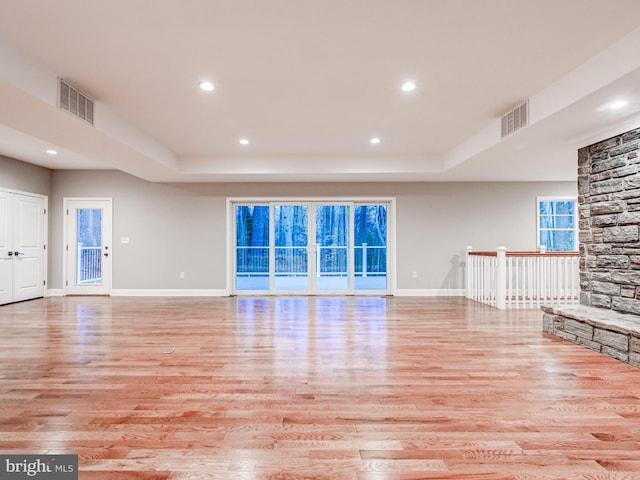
x,y
557,223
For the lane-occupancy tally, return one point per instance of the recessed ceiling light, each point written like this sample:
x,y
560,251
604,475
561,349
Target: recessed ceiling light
x,y
244,141
207,86
618,104
408,86
51,151
375,140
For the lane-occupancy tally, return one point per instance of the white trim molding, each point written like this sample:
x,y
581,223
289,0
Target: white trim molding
x,y
54,292
167,292
430,292
178,292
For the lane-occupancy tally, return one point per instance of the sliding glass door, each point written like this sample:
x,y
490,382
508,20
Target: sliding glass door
x,y
370,247
310,247
333,266
252,247
291,248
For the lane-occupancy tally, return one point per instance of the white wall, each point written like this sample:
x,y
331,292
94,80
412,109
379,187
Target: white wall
x,y
181,227
28,178
170,230
24,177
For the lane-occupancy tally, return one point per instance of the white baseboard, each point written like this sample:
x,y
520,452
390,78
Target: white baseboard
x,y
167,292
54,292
178,292
430,292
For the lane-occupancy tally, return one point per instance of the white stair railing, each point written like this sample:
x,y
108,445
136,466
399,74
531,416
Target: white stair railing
x,y
522,279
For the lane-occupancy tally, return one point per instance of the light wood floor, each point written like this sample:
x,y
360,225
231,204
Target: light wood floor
x,y
365,388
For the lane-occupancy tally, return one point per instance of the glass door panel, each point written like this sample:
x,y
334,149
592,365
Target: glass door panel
x,y
291,244
252,247
88,251
332,248
88,246
370,247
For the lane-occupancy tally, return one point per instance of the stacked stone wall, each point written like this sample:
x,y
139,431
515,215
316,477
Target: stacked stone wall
x,y
605,331
609,223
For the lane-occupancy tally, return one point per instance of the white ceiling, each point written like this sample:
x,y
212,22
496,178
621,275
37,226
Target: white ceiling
x,y
309,82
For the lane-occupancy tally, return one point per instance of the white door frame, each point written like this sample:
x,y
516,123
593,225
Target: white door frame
x,y
107,240
391,232
44,232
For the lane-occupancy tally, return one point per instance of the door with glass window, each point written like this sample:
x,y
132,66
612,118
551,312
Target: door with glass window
x,y
293,247
333,254
88,250
252,252
370,247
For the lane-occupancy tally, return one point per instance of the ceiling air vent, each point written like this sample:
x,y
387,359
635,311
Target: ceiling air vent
x,y
515,119
72,100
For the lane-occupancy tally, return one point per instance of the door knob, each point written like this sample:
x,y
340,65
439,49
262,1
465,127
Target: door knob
x,y
10,253
16,253
106,254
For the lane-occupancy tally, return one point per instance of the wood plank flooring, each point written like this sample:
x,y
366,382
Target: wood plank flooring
x,y
344,388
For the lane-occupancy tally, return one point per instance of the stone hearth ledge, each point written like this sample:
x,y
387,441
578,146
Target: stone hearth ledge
x,y
612,333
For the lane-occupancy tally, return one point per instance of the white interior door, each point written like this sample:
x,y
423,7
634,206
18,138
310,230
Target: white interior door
x,y
22,246
88,250
28,243
6,247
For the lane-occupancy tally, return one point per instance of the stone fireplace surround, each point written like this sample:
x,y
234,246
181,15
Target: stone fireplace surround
x,y
608,317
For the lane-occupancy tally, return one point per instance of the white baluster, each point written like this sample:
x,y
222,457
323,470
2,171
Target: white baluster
x,y
79,278
468,271
364,259
501,277
509,291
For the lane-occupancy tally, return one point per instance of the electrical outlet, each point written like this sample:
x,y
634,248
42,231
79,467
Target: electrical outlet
x,y
414,274
181,274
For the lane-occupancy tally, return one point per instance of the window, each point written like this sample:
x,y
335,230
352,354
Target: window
x,y
557,223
